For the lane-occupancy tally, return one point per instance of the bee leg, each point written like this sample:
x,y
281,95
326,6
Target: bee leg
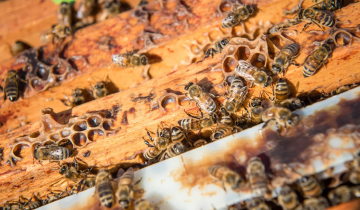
x,y
317,24
149,136
192,115
137,182
305,26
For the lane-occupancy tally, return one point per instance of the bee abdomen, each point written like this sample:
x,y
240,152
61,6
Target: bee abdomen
x,y
291,49
105,194
177,135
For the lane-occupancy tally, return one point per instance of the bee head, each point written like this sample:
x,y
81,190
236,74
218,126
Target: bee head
x,y
327,47
296,103
250,9
275,69
223,110
144,60
124,203
294,119
224,42
63,168
194,90
230,107
188,85
269,81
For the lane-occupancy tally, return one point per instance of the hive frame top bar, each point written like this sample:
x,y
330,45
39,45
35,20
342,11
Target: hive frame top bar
x,y
162,189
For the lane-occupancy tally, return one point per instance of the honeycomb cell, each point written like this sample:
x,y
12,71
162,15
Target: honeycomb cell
x,y
35,134
107,125
95,134
79,139
65,133
342,39
169,103
258,60
195,49
54,137
229,64
80,126
225,6
242,53
94,121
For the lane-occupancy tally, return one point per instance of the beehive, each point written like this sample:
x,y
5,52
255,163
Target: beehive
x,y
174,35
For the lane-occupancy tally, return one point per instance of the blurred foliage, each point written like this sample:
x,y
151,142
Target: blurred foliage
x,y
59,1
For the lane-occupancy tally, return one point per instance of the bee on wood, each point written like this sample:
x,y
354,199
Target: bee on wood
x,y
99,90
19,47
130,59
65,13
292,103
31,204
224,132
176,134
282,91
125,191
314,16
284,58
288,23
104,188
237,95
11,89
257,204
13,205
319,203
316,59
287,198
197,123
203,99
252,74
331,5
110,9
226,176
256,110
173,149
225,118
281,116
51,152
256,176
143,204
238,14
59,33
160,144
310,186
77,98
340,195
218,48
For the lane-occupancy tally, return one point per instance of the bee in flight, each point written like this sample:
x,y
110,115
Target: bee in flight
x,y
253,74
218,48
314,16
316,59
239,13
130,59
284,58
11,89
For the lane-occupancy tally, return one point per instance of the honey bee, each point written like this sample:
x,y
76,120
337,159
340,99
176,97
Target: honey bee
x,y
77,98
51,152
199,143
11,89
310,186
256,110
226,176
59,33
125,191
86,9
104,189
253,74
257,204
328,5
172,150
99,90
111,8
226,118
238,14
284,58
281,116
340,195
256,176
19,47
203,100
130,59
31,204
224,132
337,91
316,59
282,91
176,134
237,95
318,17
143,204
287,198
292,103
288,23
218,48
354,169
319,203
13,205
160,144
197,123
65,13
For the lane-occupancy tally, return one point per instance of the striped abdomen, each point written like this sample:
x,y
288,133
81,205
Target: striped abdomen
x,y
324,19
258,184
190,124
206,103
238,95
127,177
104,190
311,65
281,90
217,171
221,133
227,120
290,50
151,153
177,134
245,70
311,187
231,20
11,86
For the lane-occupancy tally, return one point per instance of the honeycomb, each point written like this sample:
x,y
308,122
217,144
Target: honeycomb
x,y
198,47
41,73
168,101
259,52
79,131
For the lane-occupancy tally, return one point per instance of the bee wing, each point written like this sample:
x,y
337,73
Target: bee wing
x,y
120,173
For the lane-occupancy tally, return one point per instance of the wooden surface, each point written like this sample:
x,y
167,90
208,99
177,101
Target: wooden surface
x,y
134,101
